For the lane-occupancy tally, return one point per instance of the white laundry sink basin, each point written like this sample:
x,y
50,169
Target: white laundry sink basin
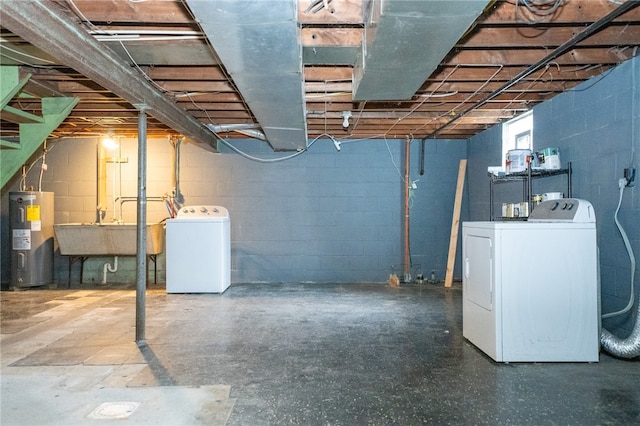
x,y
87,239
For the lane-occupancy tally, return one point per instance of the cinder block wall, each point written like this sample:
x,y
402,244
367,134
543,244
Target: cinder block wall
x,y
322,216
327,215
597,128
72,176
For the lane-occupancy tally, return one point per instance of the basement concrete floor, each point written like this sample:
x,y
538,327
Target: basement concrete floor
x,y
271,354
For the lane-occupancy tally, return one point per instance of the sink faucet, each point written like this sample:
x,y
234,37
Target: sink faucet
x,y
99,214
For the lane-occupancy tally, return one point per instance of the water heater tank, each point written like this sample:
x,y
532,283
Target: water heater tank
x,y
31,217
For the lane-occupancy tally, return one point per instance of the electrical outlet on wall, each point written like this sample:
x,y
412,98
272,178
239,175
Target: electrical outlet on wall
x,y
630,176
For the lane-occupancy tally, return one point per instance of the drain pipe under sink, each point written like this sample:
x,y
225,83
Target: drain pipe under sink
x,y
107,267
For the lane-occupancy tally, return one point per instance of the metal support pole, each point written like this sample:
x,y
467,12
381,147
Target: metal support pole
x,y
141,230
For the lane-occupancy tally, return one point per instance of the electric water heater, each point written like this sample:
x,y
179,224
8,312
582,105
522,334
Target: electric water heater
x,y
31,217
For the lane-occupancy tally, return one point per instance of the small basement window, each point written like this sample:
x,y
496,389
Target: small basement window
x,y
517,134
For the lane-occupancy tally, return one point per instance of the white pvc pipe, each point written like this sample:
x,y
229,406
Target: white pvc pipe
x,y
107,268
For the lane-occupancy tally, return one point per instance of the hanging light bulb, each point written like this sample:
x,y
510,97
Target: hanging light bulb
x,y
345,116
109,142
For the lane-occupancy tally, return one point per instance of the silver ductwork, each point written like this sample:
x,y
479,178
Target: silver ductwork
x,y
258,42
623,348
256,134
250,130
405,41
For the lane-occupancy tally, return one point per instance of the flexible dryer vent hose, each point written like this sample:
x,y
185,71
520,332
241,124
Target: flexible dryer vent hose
x,y
623,348
629,347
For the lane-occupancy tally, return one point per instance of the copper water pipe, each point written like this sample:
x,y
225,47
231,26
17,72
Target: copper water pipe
x,y
407,252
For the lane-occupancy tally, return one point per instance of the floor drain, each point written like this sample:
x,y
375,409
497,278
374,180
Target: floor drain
x,y
114,410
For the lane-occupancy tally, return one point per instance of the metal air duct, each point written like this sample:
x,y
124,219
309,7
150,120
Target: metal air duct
x,y
404,41
258,43
250,130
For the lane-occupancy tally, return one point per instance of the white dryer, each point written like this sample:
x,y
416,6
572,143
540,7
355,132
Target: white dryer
x,y
199,250
530,288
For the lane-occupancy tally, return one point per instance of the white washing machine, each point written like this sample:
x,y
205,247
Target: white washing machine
x,y
530,288
199,250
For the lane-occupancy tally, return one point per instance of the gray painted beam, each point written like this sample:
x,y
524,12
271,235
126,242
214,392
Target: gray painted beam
x,y
72,45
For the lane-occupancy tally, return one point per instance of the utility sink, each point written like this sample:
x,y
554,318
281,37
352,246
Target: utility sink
x,y
88,239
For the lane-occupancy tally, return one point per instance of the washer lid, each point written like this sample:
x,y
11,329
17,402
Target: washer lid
x,y
563,210
200,212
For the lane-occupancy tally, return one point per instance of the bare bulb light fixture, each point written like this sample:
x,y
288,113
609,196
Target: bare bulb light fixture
x,y
109,142
345,118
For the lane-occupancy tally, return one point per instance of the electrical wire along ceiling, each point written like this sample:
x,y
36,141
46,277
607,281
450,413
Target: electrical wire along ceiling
x,y
286,71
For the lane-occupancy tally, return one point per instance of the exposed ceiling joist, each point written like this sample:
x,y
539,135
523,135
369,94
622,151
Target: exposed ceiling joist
x,y
565,47
168,45
71,44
